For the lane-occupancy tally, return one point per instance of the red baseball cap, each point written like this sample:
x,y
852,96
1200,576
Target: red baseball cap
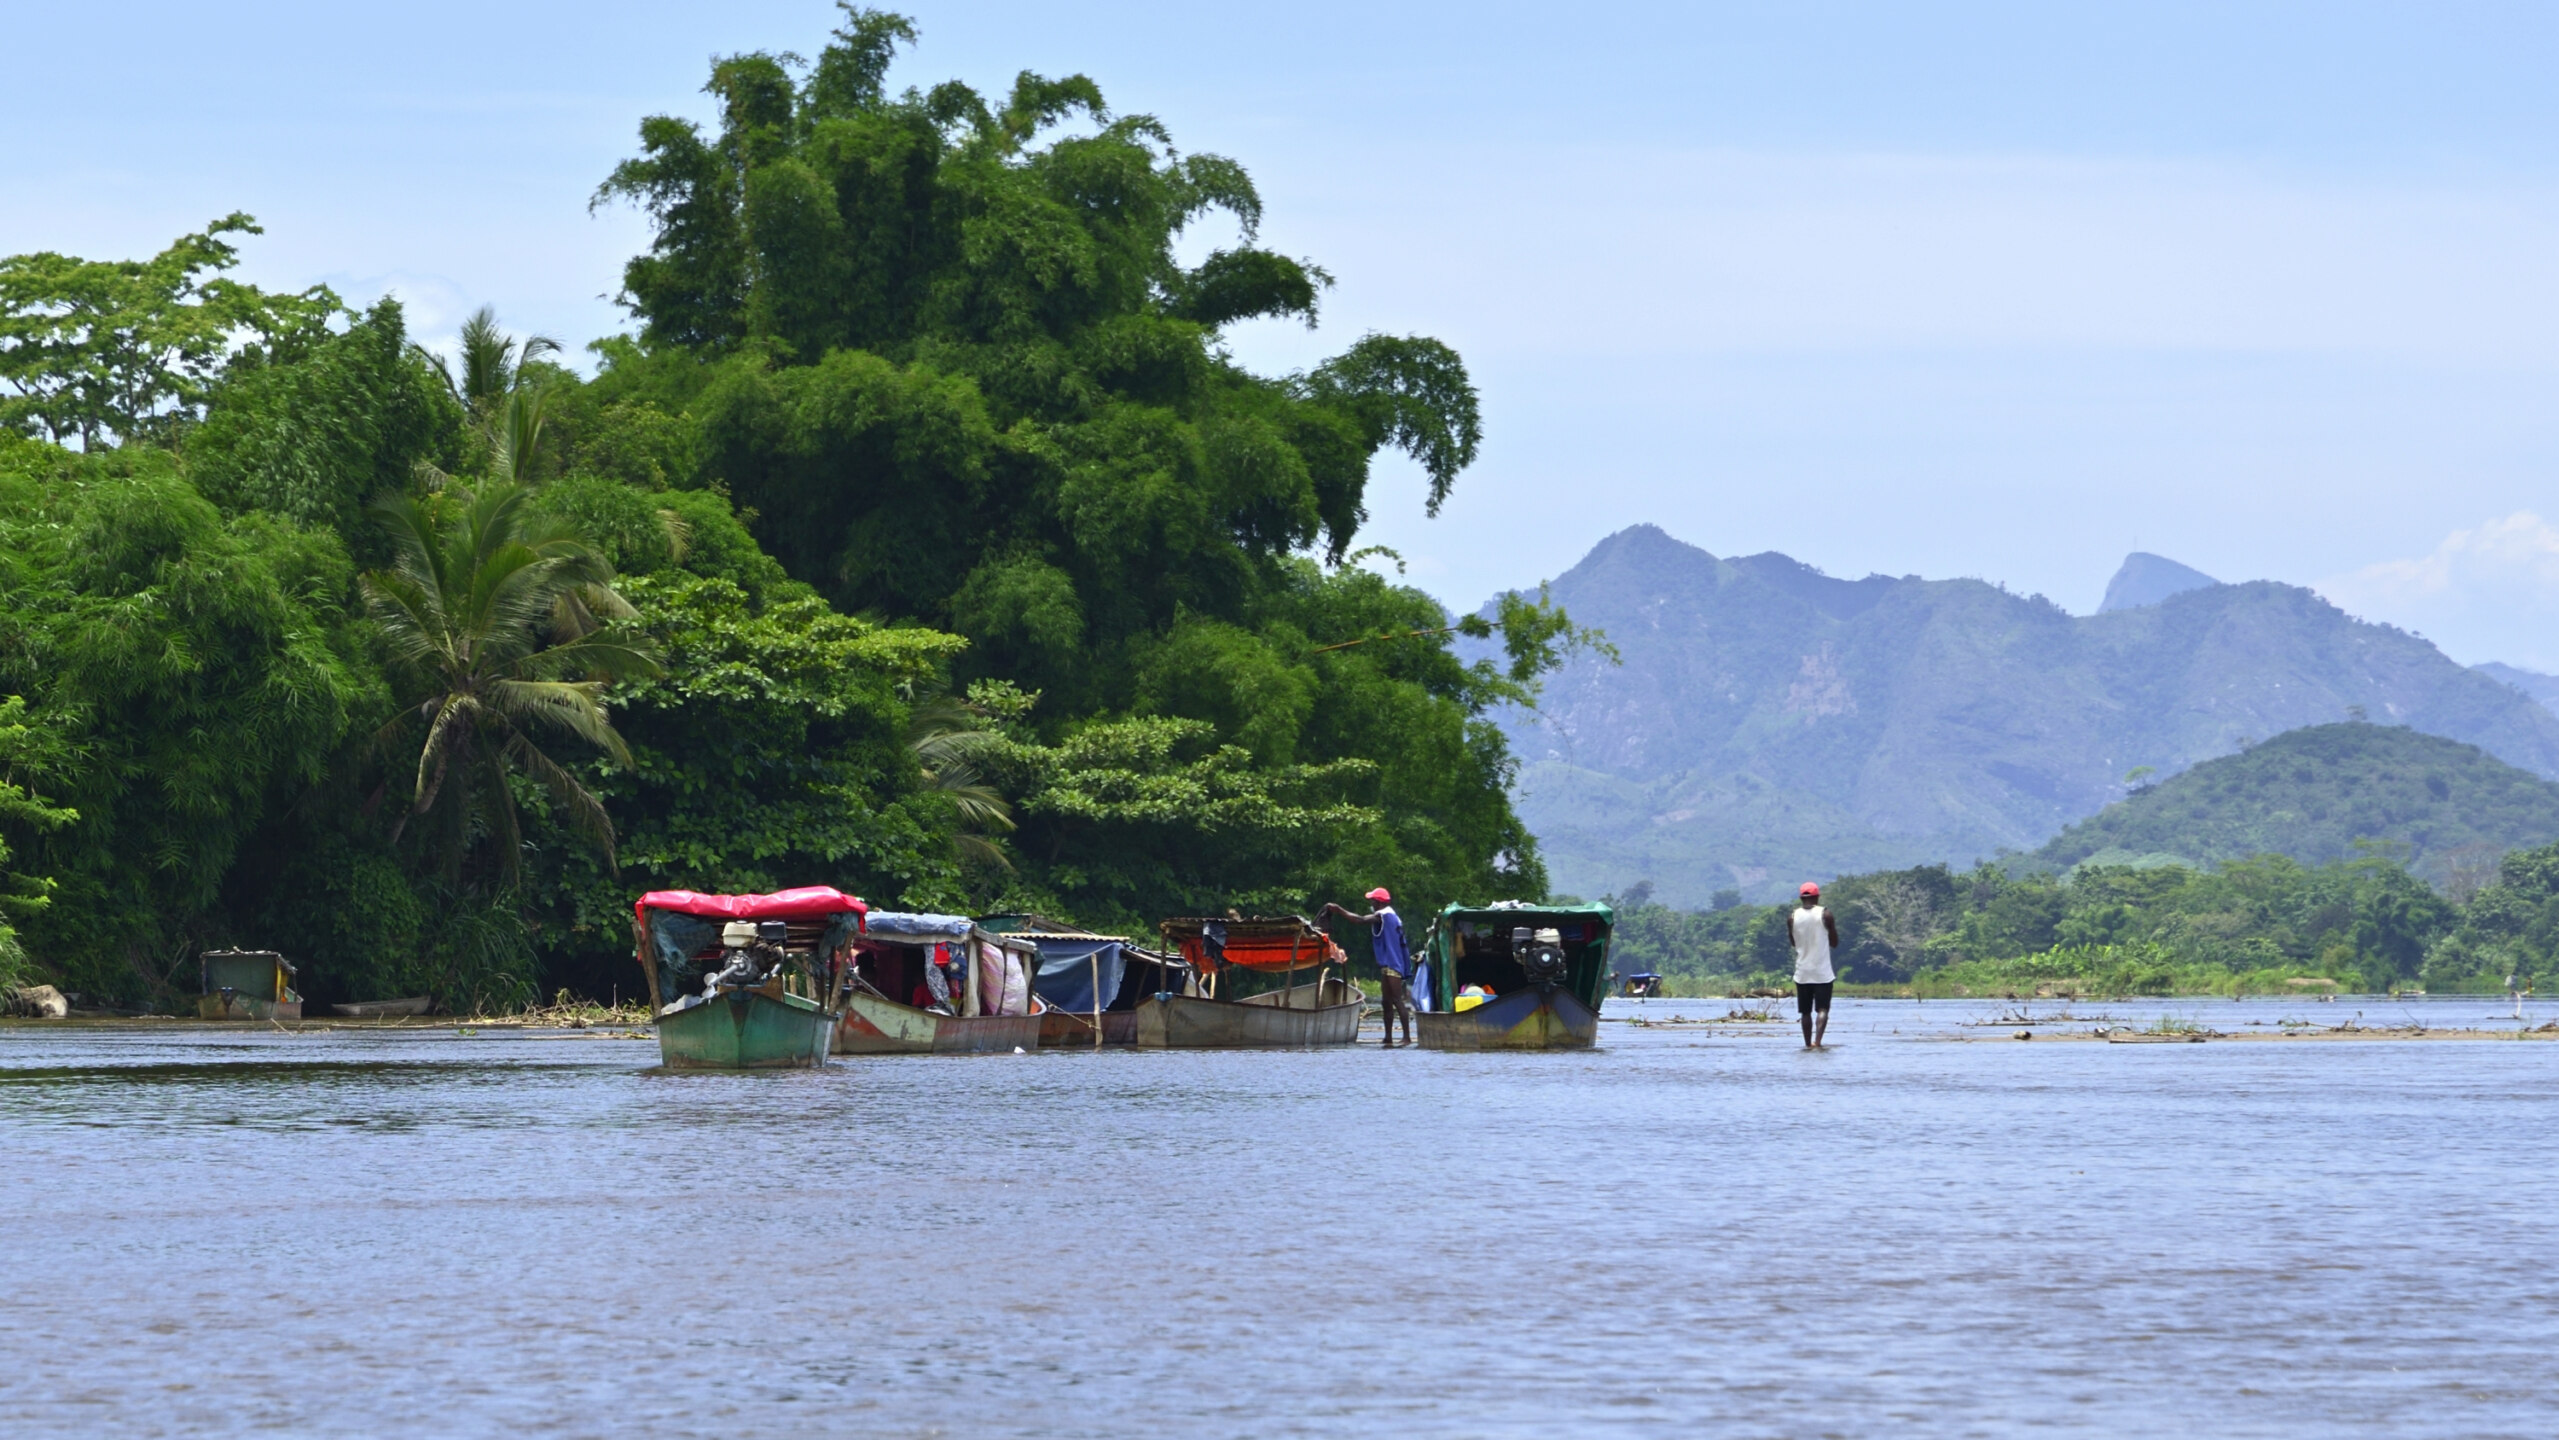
x,y
1380,894
1810,889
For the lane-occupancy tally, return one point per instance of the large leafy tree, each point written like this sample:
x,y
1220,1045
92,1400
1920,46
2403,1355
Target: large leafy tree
x,y
944,350
104,351
186,675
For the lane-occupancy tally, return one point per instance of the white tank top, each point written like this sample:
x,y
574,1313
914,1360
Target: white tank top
x,y
1812,945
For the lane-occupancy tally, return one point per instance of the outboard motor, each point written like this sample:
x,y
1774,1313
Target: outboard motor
x,y
755,953
1540,953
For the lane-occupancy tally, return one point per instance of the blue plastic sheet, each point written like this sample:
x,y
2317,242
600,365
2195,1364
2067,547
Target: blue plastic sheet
x,y
1066,972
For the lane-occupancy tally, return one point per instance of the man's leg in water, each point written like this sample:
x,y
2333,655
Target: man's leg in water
x,y
1804,1015
1821,1022
1390,990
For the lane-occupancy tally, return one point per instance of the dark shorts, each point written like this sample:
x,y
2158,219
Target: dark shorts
x,y
1812,995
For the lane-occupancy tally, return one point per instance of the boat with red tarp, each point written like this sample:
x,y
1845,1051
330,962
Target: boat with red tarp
x,y
1322,1008
746,982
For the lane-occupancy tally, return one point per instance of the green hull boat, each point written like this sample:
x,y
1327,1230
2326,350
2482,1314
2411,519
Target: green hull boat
x,y
1485,947
744,1030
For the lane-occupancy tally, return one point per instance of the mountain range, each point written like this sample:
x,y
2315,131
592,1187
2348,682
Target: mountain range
x,y
1769,723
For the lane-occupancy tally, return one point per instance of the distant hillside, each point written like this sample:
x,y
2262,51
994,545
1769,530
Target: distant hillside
x,y
2544,688
2311,793
1772,723
2147,579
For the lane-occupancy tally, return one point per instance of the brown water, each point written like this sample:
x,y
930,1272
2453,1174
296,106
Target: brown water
x,y
1687,1231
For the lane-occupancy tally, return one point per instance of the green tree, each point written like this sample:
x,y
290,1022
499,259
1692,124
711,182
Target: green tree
x,y
24,752
105,351
489,611
316,435
193,673
941,348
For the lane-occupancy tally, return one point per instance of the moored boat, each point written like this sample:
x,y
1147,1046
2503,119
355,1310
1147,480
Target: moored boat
x,y
938,985
1514,976
413,1005
1322,1009
770,969
1091,983
247,985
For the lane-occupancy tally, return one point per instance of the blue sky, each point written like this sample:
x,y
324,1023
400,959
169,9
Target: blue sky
x,y
1994,290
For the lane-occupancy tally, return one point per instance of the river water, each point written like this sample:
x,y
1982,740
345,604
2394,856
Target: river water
x,y
1690,1230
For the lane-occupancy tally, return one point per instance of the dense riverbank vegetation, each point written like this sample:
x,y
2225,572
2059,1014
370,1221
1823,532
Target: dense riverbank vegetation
x,y
924,540
2264,925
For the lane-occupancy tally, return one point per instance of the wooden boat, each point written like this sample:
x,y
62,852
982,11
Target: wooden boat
x,y
1546,992
986,1005
1091,982
1073,1029
766,1028
247,985
876,1025
1325,1010
414,1005
768,999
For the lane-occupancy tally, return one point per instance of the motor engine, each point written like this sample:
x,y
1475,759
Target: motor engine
x,y
755,954
1540,953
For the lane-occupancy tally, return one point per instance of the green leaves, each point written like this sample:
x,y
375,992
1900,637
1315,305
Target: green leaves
x,y
107,351
485,607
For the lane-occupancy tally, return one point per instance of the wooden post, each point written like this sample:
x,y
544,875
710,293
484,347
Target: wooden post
x,y
968,952
1096,958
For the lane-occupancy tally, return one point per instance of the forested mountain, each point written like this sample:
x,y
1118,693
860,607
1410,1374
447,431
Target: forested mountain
x,y
2544,688
2449,809
1770,723
925,540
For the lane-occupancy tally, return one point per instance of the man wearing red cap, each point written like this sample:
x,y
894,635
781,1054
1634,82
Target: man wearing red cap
x,y
1816,935
1394,963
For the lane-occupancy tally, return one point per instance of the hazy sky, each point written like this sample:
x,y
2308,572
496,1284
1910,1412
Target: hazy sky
x,y
1994,290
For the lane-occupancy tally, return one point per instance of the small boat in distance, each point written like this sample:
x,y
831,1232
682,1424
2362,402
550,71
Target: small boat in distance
x,y
247,985
1542,968
1325,1010
384,1009
771,969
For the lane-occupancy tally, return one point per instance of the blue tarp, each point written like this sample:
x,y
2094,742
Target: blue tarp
x,y
899,925
1066,972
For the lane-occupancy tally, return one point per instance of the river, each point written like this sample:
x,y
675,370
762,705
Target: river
x,y
1692,1230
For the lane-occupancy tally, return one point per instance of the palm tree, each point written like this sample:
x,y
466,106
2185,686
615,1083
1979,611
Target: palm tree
x,y
944,734
493,613
492,362
504,400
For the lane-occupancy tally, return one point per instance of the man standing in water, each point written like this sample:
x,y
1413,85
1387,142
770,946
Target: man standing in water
x,y
1816,935
1394,963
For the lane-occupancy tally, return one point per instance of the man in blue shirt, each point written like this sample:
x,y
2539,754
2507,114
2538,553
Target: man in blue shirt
x,y
1394,962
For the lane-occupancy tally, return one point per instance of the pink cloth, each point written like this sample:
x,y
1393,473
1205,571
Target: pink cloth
x,y
807,902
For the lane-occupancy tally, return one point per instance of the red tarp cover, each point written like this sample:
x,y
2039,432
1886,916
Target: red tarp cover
x,y
1257,944
806,903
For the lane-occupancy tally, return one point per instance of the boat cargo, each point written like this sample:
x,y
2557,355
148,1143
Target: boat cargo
x,y
938,985
1090,982
1515,976
746,982
247,985
1324,1008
